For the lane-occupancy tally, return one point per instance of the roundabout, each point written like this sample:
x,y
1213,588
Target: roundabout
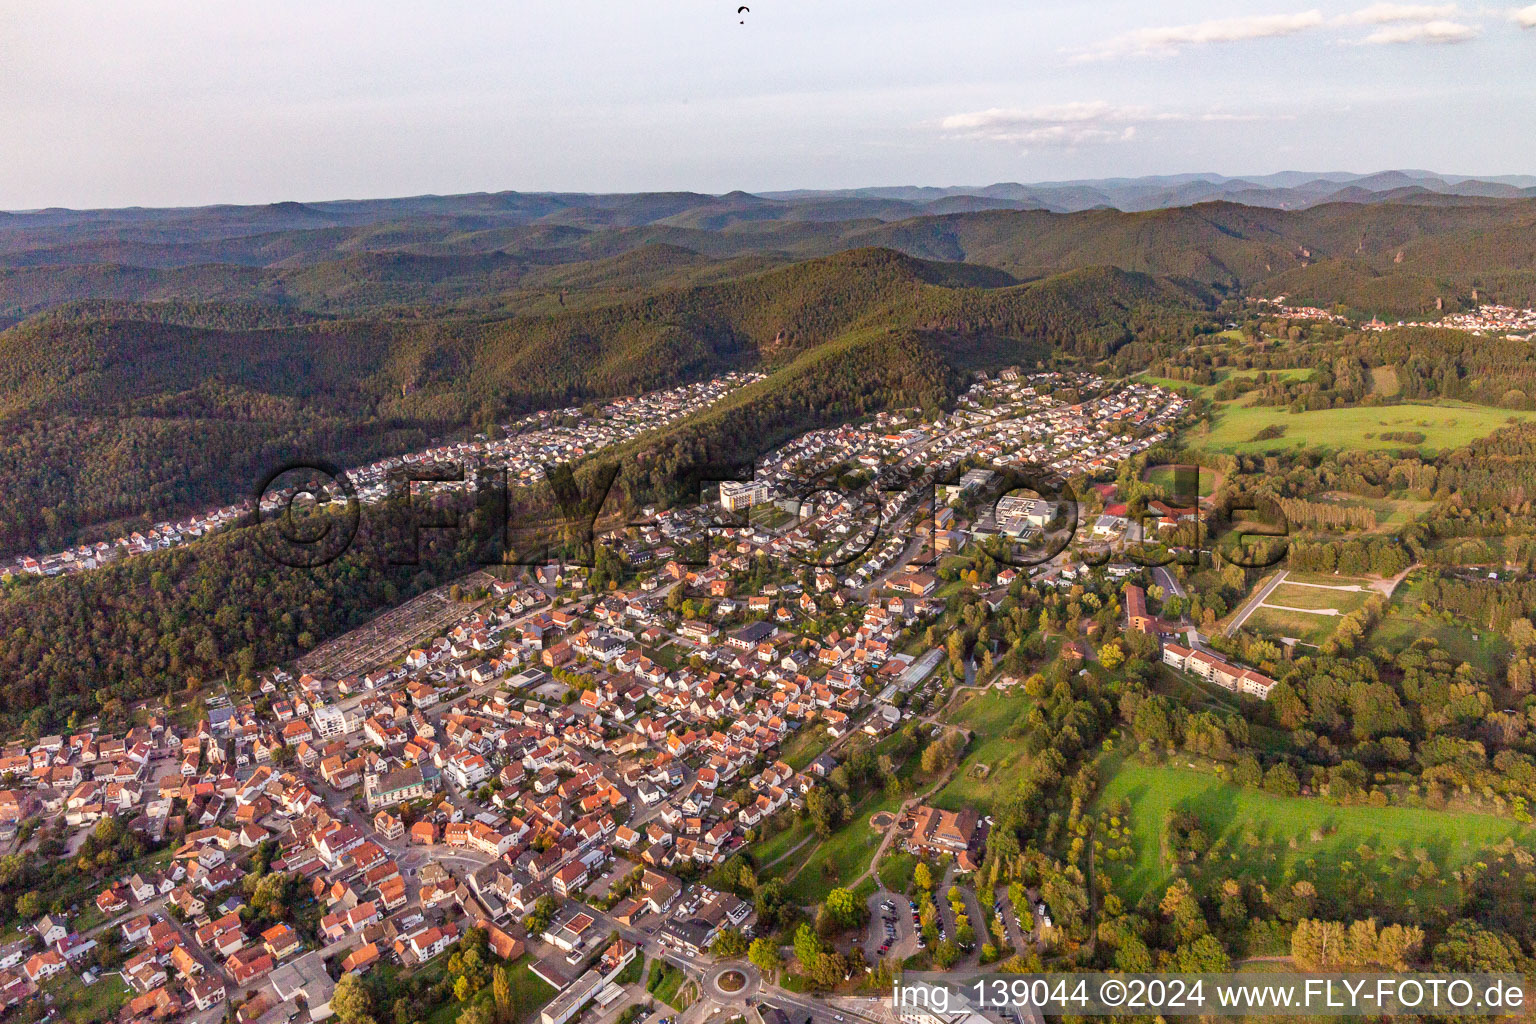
x,y
732,982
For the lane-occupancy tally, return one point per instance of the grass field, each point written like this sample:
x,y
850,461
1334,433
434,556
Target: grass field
x,y
1263,837
1327,579
1384,381
1164,477
1316,598
1177,385
804,746
1391,513
1289,373
1297,373
781,842
1447,425
989,715
1309,629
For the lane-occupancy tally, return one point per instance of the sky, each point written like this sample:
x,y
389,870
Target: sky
x,y
159,103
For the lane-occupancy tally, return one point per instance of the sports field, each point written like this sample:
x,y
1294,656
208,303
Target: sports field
x,y
1447,425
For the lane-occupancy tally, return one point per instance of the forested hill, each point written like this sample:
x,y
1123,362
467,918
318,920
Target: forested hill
x,y
1398,256
112,411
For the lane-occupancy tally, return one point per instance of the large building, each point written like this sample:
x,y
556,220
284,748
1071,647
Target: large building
x,y
737,495
936,832
332,720
1136,616
395,787
1017,515
1219,671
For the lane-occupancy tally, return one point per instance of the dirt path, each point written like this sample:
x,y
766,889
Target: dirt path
x,y
788,853
1353,588
891,830
1302,611
1388,587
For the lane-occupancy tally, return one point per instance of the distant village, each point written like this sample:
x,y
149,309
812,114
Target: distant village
x,y
545,438
1487,320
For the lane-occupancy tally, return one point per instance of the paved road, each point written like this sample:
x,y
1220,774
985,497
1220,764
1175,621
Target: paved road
x,y
1168,581
1253,603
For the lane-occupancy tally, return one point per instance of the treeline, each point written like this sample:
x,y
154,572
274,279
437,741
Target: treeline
x,y
1320,515
1374,556
159,624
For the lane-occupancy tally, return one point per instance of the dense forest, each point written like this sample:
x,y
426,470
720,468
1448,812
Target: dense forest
x,y
164,623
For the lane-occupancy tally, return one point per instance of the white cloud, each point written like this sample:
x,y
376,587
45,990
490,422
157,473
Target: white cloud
x,y
1525,16
1388,13
1166,40
1427,32
1068,125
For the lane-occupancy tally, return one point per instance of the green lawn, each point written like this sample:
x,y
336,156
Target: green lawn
x,y
1444,425
1165,477
842,856
804,746
1315,598
780,842
989,715
78,1002
896,871
665,983
667,656
1278,839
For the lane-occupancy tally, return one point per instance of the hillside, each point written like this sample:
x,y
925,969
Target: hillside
x,y
112,411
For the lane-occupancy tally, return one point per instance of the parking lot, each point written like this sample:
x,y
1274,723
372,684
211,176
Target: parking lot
x,y
892,927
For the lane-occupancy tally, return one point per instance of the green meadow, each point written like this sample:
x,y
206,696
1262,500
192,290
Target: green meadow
x,y
1275,839
1444,425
